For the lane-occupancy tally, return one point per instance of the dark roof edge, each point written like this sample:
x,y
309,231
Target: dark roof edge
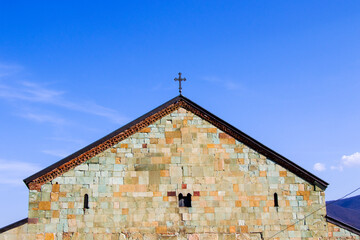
x,y
257,146
266,151
342,225
101,140
14,225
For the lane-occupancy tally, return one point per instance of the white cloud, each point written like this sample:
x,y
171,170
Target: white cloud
x,y
12,172
319,167
41,118
34,93
347,161
352,160
8,69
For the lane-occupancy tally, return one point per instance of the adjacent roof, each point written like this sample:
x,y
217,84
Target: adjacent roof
x,y
346,211
38,179
13,225
343,225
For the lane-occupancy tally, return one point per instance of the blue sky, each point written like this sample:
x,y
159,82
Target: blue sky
x,y
285,72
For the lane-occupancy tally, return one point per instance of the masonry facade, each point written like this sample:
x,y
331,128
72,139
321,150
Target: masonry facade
x,y
133,187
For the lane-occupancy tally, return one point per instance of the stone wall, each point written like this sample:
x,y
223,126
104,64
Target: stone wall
x,y
133,191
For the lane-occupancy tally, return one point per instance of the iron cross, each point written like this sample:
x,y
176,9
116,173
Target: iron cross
x,y
180,79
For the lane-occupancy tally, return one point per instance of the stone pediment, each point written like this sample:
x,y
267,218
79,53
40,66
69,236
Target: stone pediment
x,y
35,181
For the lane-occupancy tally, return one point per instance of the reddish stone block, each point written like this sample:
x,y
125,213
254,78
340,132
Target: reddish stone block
x,y
44,205
171,194
244,229
175,134
145,130
212,130
224,136
125,211
33,220
183,186
164,173
161,229
56,187
196,193
56,214
49,236
67,236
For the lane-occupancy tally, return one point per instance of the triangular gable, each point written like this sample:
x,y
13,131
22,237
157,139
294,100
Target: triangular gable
x,y
35,181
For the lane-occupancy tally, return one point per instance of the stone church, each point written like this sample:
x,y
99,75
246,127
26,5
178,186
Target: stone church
x,y
177,172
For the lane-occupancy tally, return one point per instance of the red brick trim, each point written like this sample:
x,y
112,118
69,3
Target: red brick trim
x,y
35,181
38,182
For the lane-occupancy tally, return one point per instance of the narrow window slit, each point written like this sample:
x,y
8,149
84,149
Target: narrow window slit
x,y
276,200
86,201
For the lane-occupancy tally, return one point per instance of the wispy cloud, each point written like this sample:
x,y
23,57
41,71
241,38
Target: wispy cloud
x,y
34,93
8,69
56,153
12,172
320,167
42,118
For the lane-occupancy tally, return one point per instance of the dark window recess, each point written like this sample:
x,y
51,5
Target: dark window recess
x,y
185,201
86,201
276,200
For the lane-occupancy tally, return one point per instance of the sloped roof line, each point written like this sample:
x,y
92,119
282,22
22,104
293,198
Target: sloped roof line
x,y
14,225
35,181
341,224
261,148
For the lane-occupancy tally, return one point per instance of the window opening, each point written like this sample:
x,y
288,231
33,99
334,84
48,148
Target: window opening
x,y
86,201
185,201
181,200
276,200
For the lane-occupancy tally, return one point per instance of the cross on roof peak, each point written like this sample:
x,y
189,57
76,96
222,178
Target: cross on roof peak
x,y
180,79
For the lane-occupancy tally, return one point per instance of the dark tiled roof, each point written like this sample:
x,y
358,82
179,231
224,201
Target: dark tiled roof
x,y
180,101
13,225
343,225
345,211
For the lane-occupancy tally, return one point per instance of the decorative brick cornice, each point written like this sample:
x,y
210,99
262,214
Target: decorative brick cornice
x,y
38,182
35,181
